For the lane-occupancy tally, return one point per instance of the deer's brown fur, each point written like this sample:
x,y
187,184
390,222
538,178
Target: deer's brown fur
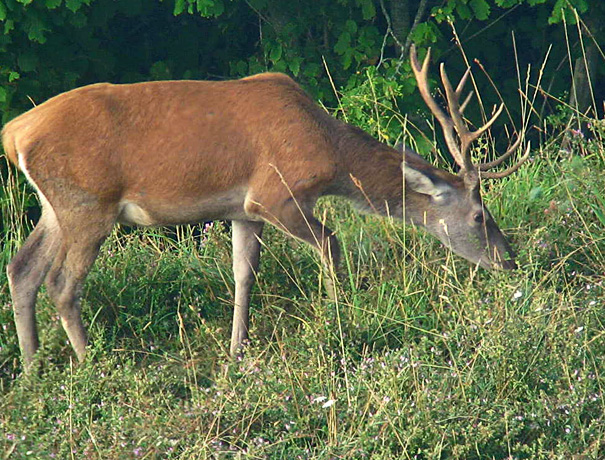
x,y
253,150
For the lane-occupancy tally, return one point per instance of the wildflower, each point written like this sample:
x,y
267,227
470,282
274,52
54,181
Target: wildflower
x,y
328,403
552,207
518,293
577,133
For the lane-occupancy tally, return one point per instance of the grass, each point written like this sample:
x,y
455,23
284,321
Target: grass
x,y
421,357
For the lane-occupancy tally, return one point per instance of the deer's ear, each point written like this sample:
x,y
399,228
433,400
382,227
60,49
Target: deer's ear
x,y
423,182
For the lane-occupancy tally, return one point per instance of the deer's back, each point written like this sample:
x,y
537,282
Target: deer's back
x,y
173,130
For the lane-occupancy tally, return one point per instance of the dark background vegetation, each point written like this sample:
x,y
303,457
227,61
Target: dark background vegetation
x,y
50,46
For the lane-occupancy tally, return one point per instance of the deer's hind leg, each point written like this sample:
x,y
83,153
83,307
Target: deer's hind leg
x,y
26,272
89,225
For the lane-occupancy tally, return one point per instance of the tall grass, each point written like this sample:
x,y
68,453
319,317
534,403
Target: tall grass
x,y
420,356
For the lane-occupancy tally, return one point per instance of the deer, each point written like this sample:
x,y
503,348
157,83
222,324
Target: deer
x,y
255,150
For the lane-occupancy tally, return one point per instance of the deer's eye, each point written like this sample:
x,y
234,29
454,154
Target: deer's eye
x,y
478,217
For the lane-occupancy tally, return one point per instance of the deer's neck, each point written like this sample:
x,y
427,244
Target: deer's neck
x,y
372,179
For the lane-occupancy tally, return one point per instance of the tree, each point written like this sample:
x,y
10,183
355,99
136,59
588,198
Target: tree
x,y
49,46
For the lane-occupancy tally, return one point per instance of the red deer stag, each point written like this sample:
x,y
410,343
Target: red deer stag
x,y
253,151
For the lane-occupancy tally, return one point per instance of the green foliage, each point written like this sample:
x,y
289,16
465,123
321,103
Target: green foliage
x,y
207,8
52,45
566,10
482,9
463,9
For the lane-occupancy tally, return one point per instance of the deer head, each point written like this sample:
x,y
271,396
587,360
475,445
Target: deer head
x,y
456,213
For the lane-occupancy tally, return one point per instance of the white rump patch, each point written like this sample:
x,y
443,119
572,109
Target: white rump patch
x,y
23,168
46,206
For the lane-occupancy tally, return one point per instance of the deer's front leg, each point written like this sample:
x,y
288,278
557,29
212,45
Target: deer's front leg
x,y
246,253
295,218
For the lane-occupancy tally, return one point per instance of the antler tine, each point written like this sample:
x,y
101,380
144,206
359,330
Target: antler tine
x,y
462,107
491,164
466,101
421,74
447,125
454,108
459,147
462,82
489,123
512,169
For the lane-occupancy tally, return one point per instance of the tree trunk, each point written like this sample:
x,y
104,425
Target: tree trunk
x,y
584,75
584,80
401,21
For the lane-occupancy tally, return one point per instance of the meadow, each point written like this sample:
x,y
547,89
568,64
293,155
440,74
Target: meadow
x,y
421,356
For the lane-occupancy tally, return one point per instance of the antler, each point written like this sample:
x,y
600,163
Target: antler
x,y
500,174
459,149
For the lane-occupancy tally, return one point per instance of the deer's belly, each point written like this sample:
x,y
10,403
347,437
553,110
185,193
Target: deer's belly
x,y
148,212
